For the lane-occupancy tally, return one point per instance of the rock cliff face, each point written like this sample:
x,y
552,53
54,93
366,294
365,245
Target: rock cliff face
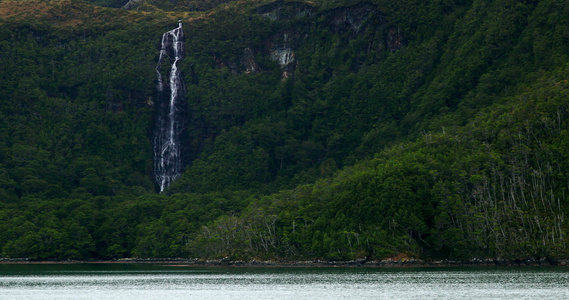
x,y
301,18
248,61
281,10
132,4
293,24
281,47
351,18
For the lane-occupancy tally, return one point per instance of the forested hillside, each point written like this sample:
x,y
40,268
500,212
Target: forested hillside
x,y
327,130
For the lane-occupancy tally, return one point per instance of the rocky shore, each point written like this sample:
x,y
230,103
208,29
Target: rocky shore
x,y
386,263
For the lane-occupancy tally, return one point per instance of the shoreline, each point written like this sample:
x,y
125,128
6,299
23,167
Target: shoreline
x,y
388,263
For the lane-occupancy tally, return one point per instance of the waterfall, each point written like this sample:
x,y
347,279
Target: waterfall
x,y
168,162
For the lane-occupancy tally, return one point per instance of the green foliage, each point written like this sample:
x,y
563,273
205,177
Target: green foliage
x,y
109,3
493,188
70,107
436,129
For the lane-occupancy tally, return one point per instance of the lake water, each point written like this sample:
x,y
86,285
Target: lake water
x,y
142,281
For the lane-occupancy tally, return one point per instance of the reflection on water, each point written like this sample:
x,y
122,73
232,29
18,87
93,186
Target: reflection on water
x,y
108,281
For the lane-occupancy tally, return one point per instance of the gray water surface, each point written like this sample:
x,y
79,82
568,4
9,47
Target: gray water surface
x,y
131,281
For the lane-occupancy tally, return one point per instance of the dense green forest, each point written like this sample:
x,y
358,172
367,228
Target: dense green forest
x,y
331,130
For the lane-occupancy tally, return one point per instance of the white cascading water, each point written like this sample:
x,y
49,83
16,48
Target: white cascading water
x,y
167,152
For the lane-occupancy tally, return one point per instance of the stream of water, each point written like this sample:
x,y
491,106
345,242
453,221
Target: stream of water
x,y
169,119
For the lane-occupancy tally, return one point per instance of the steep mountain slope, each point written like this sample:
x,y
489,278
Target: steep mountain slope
x,y
315,129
